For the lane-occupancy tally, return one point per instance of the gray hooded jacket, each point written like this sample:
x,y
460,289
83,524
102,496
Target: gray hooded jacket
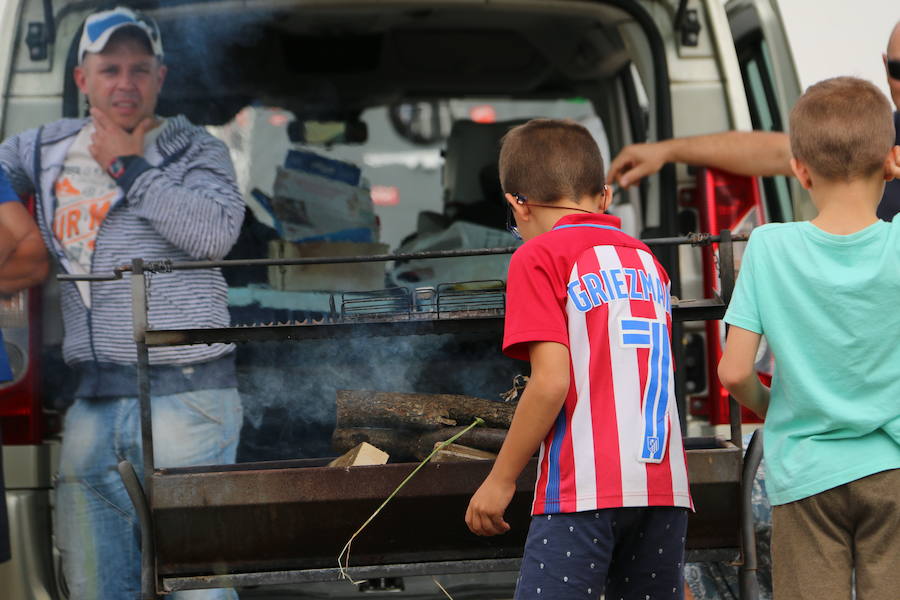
x,y
180,202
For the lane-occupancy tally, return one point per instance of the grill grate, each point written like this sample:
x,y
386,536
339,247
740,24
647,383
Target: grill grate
x,y
390,302
447,301
471,296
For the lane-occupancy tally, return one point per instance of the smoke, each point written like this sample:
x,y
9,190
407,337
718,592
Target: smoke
x,y
219,63
209,55
289,388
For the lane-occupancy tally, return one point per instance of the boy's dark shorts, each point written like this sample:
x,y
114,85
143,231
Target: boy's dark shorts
x,y
626,553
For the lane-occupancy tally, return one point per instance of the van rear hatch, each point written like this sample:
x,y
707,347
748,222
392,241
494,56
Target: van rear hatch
x,y
275,522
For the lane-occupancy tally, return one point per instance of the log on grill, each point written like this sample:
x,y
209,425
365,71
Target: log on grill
x,y
364,454
417,411
455,452
403,444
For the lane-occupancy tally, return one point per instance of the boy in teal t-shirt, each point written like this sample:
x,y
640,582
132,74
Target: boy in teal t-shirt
x,y
824,293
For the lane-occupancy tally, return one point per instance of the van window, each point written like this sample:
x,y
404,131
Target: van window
x,y
438,157
756,69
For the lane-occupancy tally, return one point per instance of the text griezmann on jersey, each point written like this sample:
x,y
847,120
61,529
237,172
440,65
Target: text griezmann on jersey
x,y
595,289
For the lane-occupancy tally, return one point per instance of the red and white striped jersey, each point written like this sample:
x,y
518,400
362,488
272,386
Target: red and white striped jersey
x,y
601,293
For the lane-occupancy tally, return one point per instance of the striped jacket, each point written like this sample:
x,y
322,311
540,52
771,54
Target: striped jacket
x,y
180,202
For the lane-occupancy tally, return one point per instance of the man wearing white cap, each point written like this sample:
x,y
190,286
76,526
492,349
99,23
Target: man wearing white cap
x,y
120,184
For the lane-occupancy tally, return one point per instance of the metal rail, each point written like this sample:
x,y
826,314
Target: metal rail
x,y
167,266
488,320
436,321
175,584
452,567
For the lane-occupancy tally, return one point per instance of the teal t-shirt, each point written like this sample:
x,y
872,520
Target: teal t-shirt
x,y
829,306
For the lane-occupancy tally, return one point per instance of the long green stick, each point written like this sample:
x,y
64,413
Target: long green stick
x,y
346,549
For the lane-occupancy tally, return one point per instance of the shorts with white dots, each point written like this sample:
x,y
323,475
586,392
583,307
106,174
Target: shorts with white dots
x,y
624,553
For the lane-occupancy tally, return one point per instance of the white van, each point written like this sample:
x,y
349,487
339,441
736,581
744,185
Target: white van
x,y
432,85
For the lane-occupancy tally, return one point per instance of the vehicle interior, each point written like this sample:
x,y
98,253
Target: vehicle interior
x,y
407,85
341,61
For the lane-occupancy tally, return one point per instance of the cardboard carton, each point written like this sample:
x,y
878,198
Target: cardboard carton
x,y
347,277
307,205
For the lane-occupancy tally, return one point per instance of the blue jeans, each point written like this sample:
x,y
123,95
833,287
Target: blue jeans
x,y
97,530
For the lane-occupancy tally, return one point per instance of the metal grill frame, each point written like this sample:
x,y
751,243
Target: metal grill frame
x,y
406,322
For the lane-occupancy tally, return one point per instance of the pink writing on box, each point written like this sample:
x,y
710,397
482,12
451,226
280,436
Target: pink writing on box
x,y
385,195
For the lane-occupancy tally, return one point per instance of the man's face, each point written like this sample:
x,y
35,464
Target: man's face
x,y
123,81
893,54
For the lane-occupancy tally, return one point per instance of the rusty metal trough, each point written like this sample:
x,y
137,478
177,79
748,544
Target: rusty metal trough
x,y
297,515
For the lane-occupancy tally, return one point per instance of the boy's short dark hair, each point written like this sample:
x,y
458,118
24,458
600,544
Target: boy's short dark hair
x,y
842,128
547,160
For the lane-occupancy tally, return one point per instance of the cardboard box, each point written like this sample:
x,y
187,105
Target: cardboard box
x,y
330,168
308,206
347,277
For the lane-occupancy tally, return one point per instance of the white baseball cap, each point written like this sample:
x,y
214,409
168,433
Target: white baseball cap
x,y
99,26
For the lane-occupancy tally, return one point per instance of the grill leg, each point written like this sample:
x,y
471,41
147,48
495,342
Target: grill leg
x,y
749,583
139,500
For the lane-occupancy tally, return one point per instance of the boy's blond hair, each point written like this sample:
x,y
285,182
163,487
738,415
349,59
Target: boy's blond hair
x,y
547,160
842,129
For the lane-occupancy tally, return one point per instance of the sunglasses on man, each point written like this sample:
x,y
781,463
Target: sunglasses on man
x,y
893,67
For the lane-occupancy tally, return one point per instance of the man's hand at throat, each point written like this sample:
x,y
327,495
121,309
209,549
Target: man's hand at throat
x,y
111,141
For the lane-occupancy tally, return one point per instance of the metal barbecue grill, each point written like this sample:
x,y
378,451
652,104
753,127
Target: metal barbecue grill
x,y
285,521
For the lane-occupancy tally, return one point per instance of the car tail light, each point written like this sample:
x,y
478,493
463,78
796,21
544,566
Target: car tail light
x,y
725,201
21,415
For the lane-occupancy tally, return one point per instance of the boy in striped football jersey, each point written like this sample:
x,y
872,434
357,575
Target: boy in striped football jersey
x,y
589,307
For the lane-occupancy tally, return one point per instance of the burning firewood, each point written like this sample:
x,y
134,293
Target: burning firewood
x,y
404,444
455,452
417,411
363,454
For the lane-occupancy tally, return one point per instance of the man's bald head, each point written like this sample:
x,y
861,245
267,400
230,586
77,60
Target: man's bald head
x,y
894,40
893,55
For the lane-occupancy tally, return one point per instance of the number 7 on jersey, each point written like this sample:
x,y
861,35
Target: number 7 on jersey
x,y
653,335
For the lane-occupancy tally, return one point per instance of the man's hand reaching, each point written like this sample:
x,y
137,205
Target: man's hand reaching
x,y
111,141
635,162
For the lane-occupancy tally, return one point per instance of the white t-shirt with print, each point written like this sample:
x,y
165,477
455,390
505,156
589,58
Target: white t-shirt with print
x,y
84,194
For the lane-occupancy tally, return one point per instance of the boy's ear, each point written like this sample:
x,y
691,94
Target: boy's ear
x,y
519,207
801,172
606,197
892,164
